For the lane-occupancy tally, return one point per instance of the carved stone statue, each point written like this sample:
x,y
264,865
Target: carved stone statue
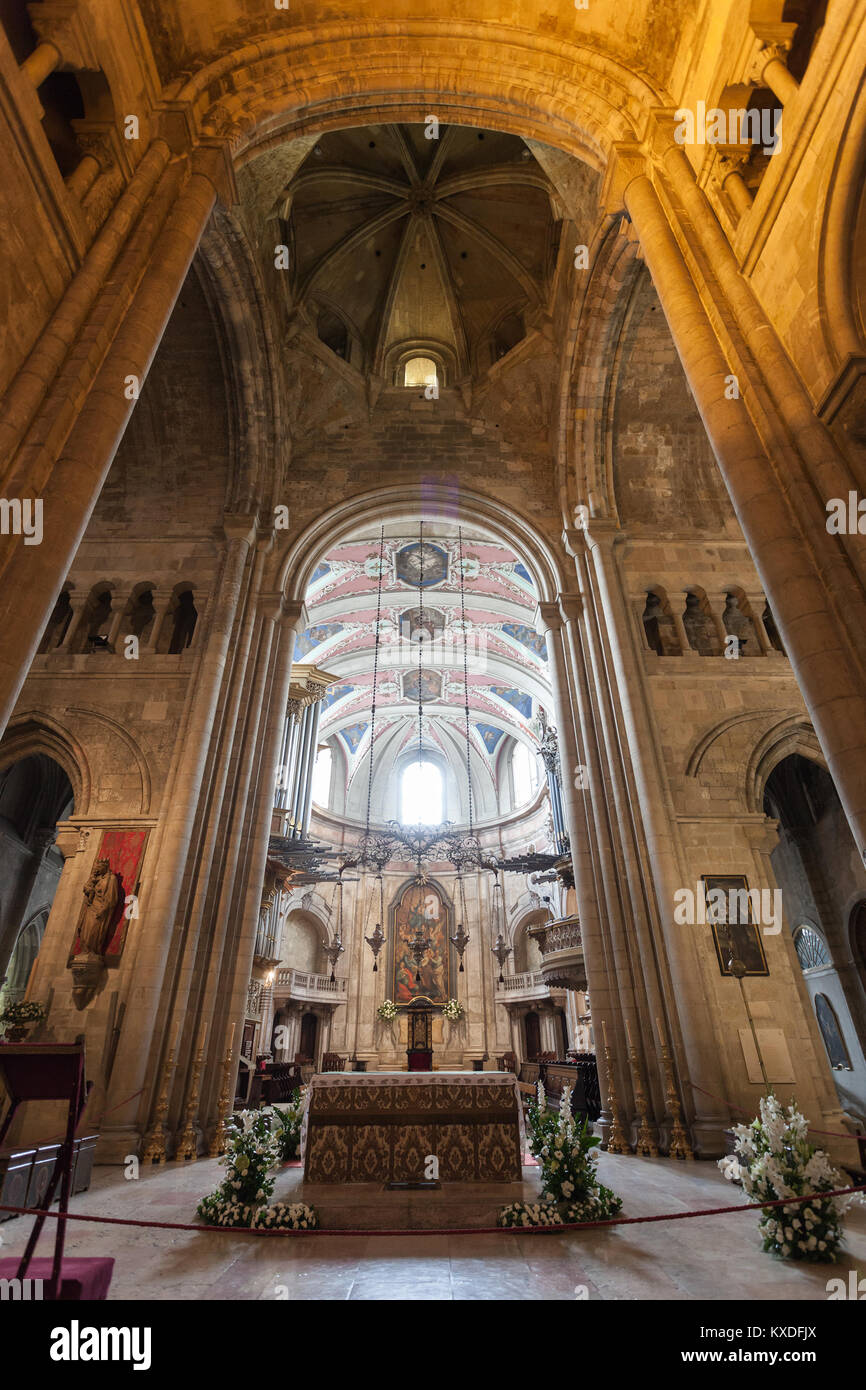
x,y
101,897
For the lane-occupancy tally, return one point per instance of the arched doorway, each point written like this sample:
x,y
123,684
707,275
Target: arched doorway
x,y
35,793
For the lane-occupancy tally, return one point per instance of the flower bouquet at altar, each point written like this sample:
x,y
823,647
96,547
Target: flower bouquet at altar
x,y
252,1153
775,1160
288,1117
565,1150
387,1010
452,1010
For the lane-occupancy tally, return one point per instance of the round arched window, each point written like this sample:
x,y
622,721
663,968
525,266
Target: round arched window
x,y
421,371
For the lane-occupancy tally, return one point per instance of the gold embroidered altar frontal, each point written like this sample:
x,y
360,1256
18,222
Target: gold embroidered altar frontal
x,y
383,1128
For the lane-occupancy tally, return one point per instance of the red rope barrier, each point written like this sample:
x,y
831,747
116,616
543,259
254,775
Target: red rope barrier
x,y
447,1230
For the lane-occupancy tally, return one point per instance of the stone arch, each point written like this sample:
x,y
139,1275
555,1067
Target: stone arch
x,y
126,738
35,732
489,516
526,952
230,277
304,935
792,735
476,73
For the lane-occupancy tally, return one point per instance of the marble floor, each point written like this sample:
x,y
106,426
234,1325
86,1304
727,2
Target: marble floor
x,y
707,1258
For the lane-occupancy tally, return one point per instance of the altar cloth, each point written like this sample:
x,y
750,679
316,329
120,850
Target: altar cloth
x,y
385,1126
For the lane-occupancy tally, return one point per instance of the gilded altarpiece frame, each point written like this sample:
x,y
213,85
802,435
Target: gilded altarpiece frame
x,y
426,905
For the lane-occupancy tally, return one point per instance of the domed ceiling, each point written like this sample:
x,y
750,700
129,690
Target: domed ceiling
x,y
421,607
417,238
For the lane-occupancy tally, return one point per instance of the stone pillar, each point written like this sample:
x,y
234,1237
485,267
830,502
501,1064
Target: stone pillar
x,y
162,888
734,185
162,602
32,575
285,619
756,609
581,837
826,661
41,63
677,989
770,69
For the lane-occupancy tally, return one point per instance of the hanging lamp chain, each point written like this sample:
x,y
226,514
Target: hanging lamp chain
x,y
375,678
465,677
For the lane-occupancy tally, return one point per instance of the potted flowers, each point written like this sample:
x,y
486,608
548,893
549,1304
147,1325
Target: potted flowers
x,y
775,1160
253,1151
19,1017
571,1191
387,1010
452,1010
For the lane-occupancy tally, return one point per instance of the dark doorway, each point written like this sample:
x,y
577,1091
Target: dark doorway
x,y
533,1037
309,1036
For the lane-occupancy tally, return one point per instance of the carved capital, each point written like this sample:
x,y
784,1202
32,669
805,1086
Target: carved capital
x,y
64,24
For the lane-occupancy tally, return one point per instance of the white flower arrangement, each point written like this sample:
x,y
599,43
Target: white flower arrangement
x,y
565,1149
775,1160
253,1151
387,1010
452,1010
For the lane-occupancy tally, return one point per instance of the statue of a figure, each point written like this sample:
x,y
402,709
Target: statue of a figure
x,y
101,897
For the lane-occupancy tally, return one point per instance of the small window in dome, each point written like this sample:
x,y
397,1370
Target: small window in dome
x,y
421,371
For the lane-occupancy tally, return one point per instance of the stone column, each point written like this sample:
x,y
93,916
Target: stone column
x,y
581,837
676,988
164,877
770,69
734,185
286,619
32,575
162,601
827,663
41,63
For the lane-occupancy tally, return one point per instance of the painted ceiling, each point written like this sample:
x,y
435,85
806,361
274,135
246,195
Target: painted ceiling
x,y
428,634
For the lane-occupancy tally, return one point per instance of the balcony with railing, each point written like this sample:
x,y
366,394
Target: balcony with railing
x,y
526,987
304,987
561,947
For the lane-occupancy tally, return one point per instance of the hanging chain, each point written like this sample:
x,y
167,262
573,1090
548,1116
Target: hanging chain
x,y
465,674
420,636
375,676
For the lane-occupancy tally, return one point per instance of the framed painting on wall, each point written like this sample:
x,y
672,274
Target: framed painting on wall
x,y
425,906
735,933
124,850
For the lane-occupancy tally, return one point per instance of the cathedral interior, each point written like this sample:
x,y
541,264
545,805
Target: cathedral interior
x,y
431,569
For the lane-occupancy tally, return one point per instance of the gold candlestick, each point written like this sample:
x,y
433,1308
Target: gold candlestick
x,y
616,1140
187,1147
220,1138
154,1143
679,1146
646,1145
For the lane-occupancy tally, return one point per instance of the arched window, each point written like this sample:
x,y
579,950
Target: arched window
x,y
322,776
421,794
524,774
810,948
420,371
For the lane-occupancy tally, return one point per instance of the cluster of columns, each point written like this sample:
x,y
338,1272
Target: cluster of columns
x,y
769,69
298,750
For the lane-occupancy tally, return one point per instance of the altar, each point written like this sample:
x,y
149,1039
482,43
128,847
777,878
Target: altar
x,y
384,1127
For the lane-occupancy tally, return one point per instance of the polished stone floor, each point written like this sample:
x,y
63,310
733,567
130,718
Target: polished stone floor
x,y
707,1258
